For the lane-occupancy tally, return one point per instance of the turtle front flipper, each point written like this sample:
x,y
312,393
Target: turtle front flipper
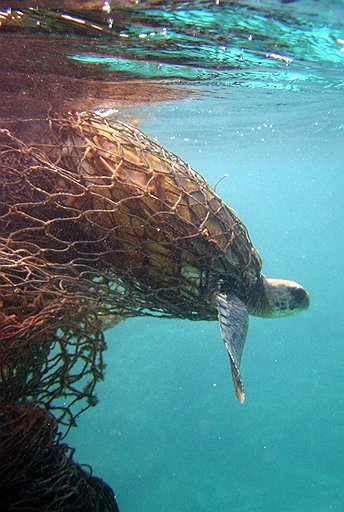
x,y
233,318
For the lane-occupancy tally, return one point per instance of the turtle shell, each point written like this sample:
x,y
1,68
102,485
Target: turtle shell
x,y
109,195
163,227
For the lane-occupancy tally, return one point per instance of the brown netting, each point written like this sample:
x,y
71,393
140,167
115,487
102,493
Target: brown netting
x,y
37,470
99,223
51,342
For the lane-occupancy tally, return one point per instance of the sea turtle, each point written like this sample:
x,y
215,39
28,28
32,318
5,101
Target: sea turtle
x,y
110,196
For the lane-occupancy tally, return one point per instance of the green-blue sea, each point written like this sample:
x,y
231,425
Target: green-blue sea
x,y
258,100
169,434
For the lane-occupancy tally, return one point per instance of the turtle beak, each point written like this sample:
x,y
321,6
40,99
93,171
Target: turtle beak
x,y
300,298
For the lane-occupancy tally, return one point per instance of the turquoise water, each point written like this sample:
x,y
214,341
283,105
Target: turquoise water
x,y
168,433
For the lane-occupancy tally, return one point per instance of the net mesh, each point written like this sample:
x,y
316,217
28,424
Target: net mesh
x,y
99,223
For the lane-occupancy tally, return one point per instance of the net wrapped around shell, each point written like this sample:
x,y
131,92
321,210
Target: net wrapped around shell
x,y
37,470
99,223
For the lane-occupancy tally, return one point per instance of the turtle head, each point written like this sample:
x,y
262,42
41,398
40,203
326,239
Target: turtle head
x,y
283,297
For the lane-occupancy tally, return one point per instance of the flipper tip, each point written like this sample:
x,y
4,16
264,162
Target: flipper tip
x,y
240,395
237,382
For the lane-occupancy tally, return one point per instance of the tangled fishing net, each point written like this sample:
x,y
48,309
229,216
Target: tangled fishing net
x,y
99,223
37,471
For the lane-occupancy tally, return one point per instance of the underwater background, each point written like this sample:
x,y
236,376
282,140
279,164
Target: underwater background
x,y
253,90
168,432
